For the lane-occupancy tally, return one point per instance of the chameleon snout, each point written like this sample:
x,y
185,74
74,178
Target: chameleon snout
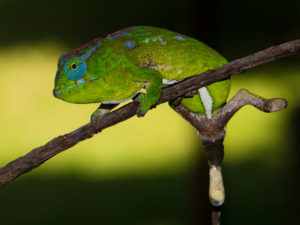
x,y
55,93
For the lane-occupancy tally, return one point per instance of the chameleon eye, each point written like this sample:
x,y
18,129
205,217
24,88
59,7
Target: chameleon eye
x,y
74,66
77,70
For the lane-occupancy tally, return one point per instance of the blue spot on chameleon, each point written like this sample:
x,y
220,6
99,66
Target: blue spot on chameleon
x,y
130,44
179,38
80,82
77,73
59,92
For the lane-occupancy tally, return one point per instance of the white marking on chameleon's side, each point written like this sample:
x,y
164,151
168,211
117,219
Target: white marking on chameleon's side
x,y
169,82
169,67
120,101
179,71
162,41
147,40
207,101
158,67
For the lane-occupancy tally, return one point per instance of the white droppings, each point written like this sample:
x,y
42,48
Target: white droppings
x,y
169,67
216,187
207,101
159,67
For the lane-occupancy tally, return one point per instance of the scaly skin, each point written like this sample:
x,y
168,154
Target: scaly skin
x,y
116,68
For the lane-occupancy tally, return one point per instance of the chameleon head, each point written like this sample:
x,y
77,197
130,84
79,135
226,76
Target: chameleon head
x,y
75,72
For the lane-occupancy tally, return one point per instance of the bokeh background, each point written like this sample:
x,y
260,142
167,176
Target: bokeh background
x,y
149,171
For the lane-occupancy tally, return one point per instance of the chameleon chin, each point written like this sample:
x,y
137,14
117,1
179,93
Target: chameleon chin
x,y
54,93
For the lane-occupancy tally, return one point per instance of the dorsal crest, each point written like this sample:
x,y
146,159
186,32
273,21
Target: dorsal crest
x,y
92,46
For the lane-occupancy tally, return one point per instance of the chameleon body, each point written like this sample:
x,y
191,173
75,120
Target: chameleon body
x,y
137,62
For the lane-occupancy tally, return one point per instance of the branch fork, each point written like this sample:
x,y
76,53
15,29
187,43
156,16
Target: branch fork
x,y
212,132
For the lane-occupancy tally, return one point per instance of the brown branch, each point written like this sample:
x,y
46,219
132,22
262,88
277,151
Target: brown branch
x,y
244,97
212,131
39,155
216,214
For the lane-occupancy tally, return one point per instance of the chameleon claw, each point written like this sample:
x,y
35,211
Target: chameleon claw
x,y
140,113
141,110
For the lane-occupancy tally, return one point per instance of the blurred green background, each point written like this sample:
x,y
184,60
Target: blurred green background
x,y
149,171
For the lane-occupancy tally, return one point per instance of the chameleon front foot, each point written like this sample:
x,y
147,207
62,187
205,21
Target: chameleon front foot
x,y
140,112
146,102
144,105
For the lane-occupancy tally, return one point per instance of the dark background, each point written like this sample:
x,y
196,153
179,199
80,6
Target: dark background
x,y
233,27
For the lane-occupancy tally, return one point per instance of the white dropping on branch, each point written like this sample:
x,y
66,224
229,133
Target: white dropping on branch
x,y
216,187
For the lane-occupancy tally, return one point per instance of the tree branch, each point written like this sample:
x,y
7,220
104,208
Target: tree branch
x,y
41,154
211,132
244,97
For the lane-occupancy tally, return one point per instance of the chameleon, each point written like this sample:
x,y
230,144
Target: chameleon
x,y
137,63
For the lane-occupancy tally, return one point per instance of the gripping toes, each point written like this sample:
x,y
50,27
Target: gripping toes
x,y
145,104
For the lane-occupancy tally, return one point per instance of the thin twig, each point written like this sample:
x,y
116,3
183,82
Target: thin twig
x,y
215,215
244,97
39,155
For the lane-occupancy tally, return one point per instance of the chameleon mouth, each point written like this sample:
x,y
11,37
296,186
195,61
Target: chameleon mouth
x,y
55,93
58,93
79,83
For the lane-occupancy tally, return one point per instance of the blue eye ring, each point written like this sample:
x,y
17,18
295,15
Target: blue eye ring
x,y
75,71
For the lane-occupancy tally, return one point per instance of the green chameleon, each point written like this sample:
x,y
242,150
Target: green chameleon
x,y
137,63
